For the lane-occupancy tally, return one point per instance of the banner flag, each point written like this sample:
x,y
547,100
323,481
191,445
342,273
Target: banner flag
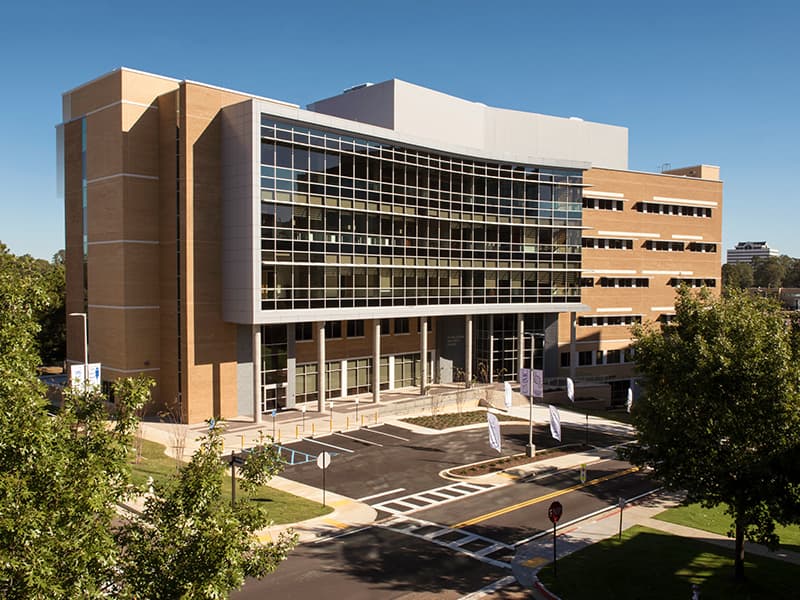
x,y
507,398
525,382
555,423
629,403
494,431
570,389
538,383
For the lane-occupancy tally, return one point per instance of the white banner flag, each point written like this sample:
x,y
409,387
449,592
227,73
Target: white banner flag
x,y
555,423
494,431
507,398
570,389
538,383
629,402
525,382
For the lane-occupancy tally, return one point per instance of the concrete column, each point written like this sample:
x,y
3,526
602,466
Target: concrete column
x,y
573,350
343,377
521,342
376,360
491,349
423,349
468,353
321,365
491,359
257,374
391,372
291,366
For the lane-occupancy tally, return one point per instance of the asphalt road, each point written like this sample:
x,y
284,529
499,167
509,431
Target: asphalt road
x,y
380,459
436,538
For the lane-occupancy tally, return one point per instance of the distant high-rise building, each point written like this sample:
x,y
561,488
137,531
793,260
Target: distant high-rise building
x,y
745,252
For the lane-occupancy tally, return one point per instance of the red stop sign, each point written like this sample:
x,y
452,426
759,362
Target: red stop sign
x,y
554,512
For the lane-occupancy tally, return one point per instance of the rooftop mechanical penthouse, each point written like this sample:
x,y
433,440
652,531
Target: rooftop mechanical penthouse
x,y
249,254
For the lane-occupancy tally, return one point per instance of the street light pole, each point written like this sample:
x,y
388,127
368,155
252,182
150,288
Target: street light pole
x,y
530,449
85,347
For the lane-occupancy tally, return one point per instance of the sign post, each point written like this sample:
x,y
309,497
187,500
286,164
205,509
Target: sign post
x,y
583,473
621,508
323,461
554,514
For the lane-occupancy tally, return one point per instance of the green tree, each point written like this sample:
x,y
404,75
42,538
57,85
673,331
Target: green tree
x,y
721,415
737,275
792,278
61,477
770,271
49,279
190,542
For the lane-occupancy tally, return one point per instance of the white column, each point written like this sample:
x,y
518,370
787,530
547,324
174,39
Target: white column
x,y
573,351
321,365
256,373
423,354
376,361
491,358
391,372
343,377
468,353
521,342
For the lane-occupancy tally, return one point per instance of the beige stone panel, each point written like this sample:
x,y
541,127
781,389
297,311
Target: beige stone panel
x,y
141,214
104,143
206,101
201,383
107,337
141,283
142,338
140,139
229,407
124,340
106,201
101,92
144,88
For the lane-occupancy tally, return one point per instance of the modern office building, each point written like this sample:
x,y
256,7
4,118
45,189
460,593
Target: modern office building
x,y
746,252
249,254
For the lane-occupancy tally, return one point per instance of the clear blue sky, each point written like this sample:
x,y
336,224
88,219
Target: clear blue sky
x,y
694,82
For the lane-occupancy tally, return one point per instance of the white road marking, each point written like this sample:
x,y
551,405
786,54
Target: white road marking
x,y
396,491
434,497
391,435
358,439
313,441
415,527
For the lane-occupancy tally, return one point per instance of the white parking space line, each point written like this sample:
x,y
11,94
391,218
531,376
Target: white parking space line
x,y
391,435
373,496
358,439
313,441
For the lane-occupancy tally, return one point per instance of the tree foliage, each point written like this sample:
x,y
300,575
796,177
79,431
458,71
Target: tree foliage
x,y
48,280
737,275
721,416
190,542
62,475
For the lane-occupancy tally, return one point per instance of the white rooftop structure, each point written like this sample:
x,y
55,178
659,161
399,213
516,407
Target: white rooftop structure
x,y
461,126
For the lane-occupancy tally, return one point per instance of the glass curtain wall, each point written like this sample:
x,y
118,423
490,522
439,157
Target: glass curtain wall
x,y
349,222
496,345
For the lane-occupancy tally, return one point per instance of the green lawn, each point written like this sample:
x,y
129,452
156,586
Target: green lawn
x,y
655,565
281,507
716,521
